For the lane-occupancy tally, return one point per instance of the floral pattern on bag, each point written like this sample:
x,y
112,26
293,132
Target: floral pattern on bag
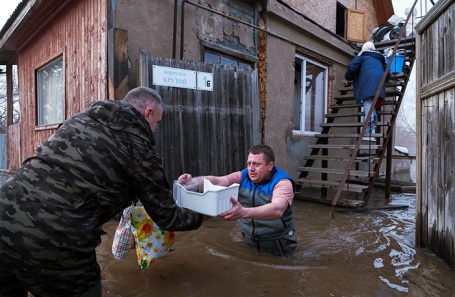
x,y
151,241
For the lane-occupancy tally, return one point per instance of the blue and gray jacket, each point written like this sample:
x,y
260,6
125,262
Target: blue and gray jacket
x,y
251,195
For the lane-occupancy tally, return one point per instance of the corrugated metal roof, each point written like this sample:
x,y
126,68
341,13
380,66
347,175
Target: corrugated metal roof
x,y
12,17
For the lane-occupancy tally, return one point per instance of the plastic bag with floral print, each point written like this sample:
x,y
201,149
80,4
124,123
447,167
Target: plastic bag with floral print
x,y
152,242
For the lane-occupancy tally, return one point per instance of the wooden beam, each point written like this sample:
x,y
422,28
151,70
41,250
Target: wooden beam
x,y
118,63
9,94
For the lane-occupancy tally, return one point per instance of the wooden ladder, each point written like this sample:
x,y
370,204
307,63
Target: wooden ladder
x,y
336,144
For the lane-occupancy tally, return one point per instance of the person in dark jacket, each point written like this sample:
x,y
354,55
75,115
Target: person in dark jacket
x,y
264,207
366,71
53,208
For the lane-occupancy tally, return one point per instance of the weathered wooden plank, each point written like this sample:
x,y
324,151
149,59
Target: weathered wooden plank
x,y
423,207
441,186
433,155
434,62
118,64
449,209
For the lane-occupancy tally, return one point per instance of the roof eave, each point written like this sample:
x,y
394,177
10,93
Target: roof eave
x,y
384,10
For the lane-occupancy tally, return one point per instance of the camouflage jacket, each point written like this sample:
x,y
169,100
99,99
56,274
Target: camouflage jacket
x,y
80,178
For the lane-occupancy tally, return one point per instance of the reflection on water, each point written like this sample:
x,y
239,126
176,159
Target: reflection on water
x,y
355,254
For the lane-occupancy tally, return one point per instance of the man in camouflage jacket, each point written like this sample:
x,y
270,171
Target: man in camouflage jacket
x,y
53,208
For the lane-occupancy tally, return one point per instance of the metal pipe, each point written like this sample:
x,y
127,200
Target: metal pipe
x,y
174,36
182,28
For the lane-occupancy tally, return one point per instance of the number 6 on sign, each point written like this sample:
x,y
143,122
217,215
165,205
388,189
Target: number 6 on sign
x,y
205,81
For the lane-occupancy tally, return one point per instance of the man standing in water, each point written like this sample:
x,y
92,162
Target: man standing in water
x,y
53,208
264,210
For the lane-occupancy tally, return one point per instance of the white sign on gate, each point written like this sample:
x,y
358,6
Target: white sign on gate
x,y
182,78
174,77
204,81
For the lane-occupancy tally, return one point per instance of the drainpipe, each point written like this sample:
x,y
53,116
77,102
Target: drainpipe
x,y
182,29
174,38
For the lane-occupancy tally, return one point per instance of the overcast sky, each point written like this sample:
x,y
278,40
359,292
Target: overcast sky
x,y
7,9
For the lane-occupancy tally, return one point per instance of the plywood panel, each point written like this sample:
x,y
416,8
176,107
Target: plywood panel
x,y
356,25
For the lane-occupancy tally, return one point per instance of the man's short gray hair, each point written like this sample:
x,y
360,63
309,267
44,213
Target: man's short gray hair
x,y
143,97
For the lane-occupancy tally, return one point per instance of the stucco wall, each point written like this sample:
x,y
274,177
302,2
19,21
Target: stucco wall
x,y
318,45
150,27
324,11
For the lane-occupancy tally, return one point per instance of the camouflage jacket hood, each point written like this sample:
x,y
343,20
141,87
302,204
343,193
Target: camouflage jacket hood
x,y
120,116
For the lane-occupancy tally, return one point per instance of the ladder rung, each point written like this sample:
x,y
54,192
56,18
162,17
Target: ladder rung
x,y
330,184
344,115
404,43
355,124
339,159
336,106
347,135
390,92
335,171
345,146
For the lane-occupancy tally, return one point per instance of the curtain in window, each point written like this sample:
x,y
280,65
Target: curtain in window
x,y
50,93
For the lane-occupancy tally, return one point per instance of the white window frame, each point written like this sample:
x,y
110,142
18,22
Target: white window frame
x,y
39,108
302,130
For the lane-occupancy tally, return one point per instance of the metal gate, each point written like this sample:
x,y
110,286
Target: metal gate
x,y
206,132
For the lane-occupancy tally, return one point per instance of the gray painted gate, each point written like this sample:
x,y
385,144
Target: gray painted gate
x,y
206,132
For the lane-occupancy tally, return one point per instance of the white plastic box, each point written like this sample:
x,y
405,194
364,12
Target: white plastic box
x,y
213,201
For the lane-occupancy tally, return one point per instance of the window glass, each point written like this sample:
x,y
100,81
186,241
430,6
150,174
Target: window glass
x,y
210,57
228,61
4,121
310,96
16,106
49,88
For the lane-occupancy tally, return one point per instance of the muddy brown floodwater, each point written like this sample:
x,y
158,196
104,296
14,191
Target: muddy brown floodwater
x,y
354,254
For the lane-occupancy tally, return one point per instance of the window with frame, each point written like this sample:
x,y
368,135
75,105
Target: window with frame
x,y
212,57
310,96
341,20
49,91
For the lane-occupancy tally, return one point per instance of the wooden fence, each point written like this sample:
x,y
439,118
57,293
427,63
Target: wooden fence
x,y
436,131
206,132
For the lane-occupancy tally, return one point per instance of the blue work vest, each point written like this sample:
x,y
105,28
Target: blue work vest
x,y
251,195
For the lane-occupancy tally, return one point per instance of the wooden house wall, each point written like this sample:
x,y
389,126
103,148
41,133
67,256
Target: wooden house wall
x,y
78,32
436,131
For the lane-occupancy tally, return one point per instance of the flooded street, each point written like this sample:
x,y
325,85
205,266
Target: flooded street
x,y
355,254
